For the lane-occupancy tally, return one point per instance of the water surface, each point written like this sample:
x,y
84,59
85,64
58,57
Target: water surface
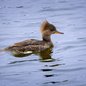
x,y
21,19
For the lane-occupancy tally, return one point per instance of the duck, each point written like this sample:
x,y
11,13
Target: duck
x,y
34,45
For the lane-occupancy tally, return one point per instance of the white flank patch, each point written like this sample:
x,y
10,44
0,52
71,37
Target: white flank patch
x,y
28,52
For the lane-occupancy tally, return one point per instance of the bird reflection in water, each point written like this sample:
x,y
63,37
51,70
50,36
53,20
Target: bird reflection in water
x,y
45,55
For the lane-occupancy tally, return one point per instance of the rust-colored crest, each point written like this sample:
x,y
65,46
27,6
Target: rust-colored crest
x,y
44,25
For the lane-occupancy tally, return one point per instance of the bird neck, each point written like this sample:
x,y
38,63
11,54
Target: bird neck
x,y
46,38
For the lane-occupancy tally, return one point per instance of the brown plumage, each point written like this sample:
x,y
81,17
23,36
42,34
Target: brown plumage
x,y
33,45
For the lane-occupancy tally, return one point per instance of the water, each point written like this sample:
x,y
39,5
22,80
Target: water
x,y
21,19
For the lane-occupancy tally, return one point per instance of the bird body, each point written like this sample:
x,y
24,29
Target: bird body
x,y
30,45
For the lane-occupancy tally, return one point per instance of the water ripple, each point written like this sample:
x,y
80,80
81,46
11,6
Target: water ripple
x,y
49,9
55,82
71,69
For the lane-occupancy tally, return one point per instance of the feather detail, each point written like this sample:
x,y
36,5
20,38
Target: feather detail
x,y
44,25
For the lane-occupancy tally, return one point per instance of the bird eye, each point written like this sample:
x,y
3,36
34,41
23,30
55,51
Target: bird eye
x,y
52,30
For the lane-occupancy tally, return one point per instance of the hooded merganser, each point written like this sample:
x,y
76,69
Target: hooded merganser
x,y
34,45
